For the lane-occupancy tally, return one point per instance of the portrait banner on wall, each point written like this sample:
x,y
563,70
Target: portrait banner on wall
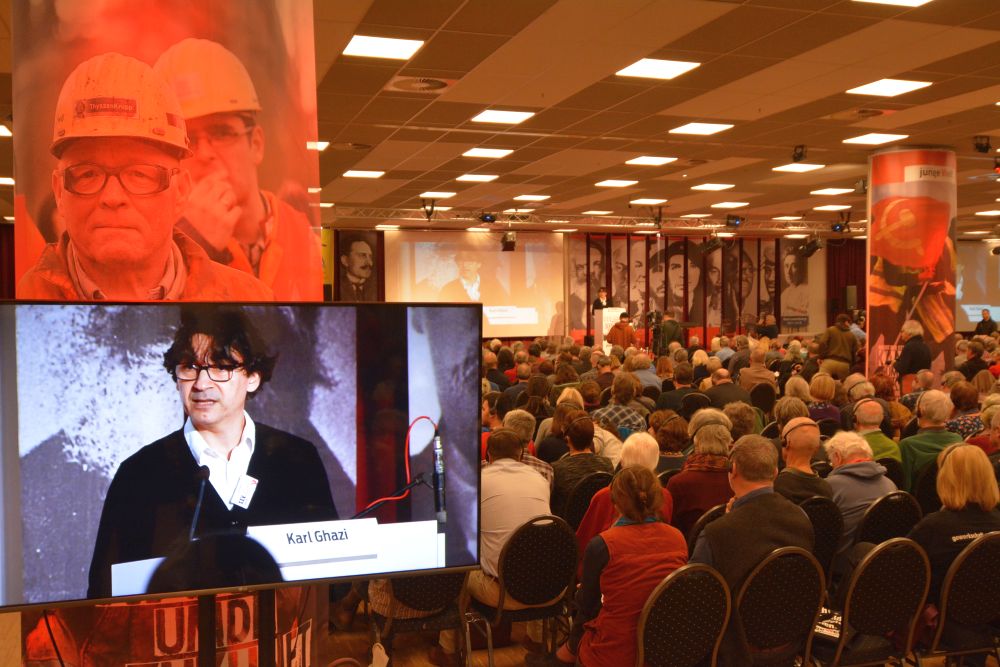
x,y
620,273
794,295
714,289
657,292
750,288
912,207
768,279
357,266
577,311
637,277
167,163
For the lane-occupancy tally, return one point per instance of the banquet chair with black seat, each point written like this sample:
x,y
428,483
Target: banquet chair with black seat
x,y
828,526
692,403
708,517
909,428
580,496
665,476
828,427
684,619
925,488
537,566
884,597
969,606
771,430
778,605
436,595
893,515
893,470
651,392
605,397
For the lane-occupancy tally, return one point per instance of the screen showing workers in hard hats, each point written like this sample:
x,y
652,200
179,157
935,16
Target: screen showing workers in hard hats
x,y
977,284
166,447
521,289
167,164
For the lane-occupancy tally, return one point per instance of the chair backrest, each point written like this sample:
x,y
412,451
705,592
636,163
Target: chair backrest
x,y
925,488
886,593
693,402
763,396
558,389
909,428
428,592
771,430
828,427
581,495
892,515
970,594
779,603
893,470
666,475
651,392
708,517
828,526
684,618
538,562
605,396
821,468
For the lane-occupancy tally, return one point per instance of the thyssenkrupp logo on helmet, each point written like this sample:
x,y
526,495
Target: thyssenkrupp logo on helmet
x,y
106,106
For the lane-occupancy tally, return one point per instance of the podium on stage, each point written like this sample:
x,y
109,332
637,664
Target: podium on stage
x,y
604,319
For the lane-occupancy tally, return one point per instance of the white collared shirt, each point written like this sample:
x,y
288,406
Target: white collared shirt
x,y
471,288
225,474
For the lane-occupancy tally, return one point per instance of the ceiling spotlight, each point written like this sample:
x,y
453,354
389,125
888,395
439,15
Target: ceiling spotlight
x,y
981,143
838,227
799,153
487,217
809,248
734,220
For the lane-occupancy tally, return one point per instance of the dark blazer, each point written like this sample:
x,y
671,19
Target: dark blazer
x,y
915,356
727,392
150,503
597,305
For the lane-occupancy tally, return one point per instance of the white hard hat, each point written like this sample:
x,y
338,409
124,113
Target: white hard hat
x,y
207,78
113,95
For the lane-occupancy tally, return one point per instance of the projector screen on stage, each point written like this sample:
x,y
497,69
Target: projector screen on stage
x,y
978,284
521,291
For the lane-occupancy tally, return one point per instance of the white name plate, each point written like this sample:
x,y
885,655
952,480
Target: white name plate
x,y
319,542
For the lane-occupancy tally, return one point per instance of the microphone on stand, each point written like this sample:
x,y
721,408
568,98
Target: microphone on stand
x,y
438,479
203,474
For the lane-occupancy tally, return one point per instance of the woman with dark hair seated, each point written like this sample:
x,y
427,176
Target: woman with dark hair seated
x,y
621,567
672,438
965,420
535,398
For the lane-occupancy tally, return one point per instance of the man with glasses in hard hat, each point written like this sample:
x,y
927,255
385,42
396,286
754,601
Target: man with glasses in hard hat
x,y
119,186
235,221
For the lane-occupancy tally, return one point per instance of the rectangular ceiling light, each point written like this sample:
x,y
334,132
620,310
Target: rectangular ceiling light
x,y
386,228
646,231
889,87
798,167
977,233
897,3
361,173
796,236
731,204
654,68
478,229
382,47
317,145
5,131
518,210
725,235
615,183
986,213
875,138
505,117
531,197
563,231
596,213
6,180
713,187
651,160
701,128
488,152
478,178
647,202
442,209
832,191
832,207
314,191
326,204
432,194
697,215
787,218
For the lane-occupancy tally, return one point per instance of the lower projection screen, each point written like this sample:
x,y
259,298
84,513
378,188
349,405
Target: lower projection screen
x,y
521,291
978,284
92,390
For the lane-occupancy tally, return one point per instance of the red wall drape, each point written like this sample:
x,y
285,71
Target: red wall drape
x,y
846,264
6,261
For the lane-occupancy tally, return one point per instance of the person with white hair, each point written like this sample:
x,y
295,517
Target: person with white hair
x,y
639,449
857,481
703,482
933,412
915,354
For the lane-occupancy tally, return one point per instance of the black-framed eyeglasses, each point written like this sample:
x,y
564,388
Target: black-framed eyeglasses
x,y
136,179
190,372
218,136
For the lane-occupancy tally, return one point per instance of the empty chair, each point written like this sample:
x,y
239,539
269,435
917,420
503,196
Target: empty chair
x,y
893,470
885,594
925,488
778,605
537,566
581,495
693,402
708,517
969,604
435,594
682,622
892,515
828,525
763,396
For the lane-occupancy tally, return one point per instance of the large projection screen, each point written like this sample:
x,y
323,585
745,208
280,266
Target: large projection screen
x,y
978,284
521,291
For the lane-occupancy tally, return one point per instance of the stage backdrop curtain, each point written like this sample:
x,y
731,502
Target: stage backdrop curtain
x,y
846,264
6,261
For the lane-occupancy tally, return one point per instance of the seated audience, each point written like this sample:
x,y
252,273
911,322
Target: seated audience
x,y
523,424
757,522
642,368
923,381
797,481
567,395
797,387
591,393
985,383
933,412
974,361
965,419
703,481
672,439
683,381
756,372
579,462
699,362
743,417
553,446
621,567
988,439
887,390
724,390
822,389
868,416
618,412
